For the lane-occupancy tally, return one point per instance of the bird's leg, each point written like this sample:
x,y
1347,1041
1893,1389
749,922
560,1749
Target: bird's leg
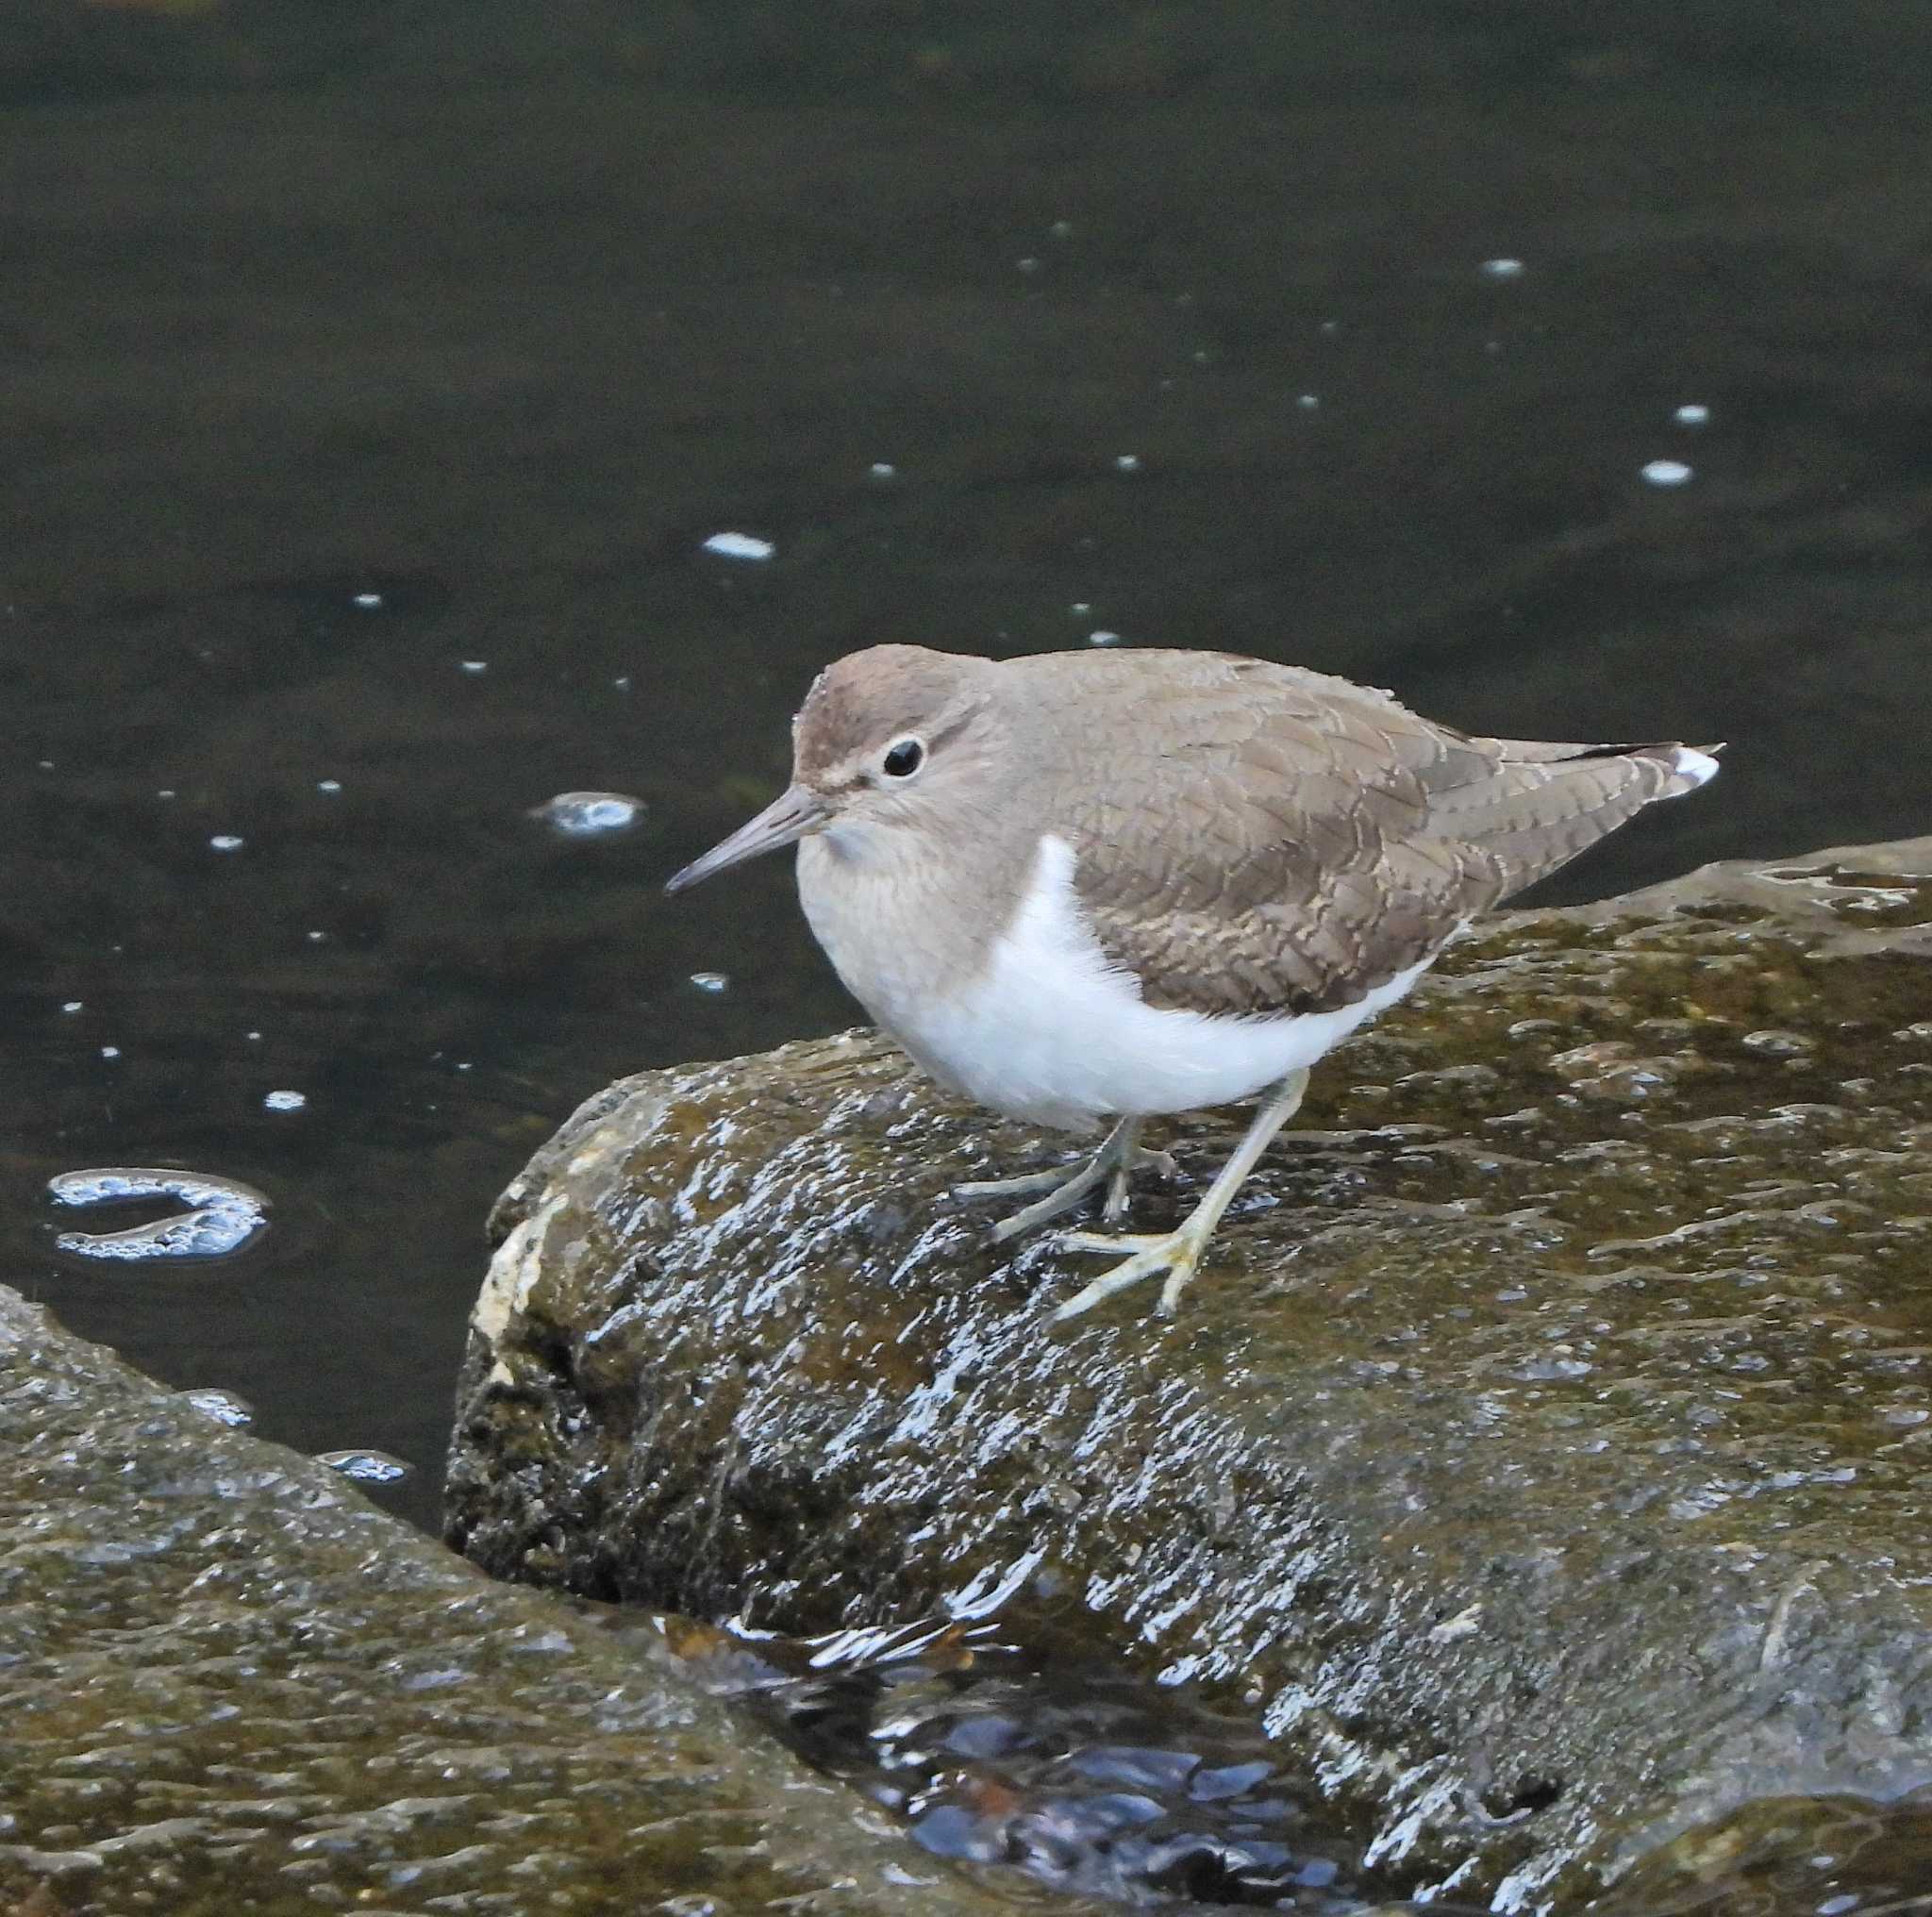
x,y
1116,1160
1177,1252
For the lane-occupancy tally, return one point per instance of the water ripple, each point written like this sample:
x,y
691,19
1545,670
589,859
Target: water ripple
x,y
224,1214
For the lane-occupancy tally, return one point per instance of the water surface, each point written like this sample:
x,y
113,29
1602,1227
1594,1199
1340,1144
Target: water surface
x,y
379,380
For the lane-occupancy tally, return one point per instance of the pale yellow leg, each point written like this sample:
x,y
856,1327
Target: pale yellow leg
x,y
1117,1159
1177,1252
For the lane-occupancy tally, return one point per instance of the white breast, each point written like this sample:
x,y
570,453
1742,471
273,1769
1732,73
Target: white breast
x,y
1050,1031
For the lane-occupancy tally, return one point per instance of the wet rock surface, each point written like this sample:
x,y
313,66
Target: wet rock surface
x,y
1540,1458
227,1684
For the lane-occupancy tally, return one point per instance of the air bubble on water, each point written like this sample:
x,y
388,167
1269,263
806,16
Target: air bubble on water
x,y
364,1465
223,1214
585,815
1102,638
369,602
111,1051
1502,269
1126,462
226,842
330,786
285,1101
882,469
74,1005
224,1408
711,981
473,665
1692,415
1666,473
739,545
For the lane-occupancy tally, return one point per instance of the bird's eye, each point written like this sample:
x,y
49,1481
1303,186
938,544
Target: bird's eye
x,y
904,759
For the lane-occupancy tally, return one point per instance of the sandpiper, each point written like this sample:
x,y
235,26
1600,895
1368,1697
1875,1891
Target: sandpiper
x,y
1094,886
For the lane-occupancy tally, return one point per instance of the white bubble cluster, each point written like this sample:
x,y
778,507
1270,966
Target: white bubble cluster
x,y
739,545
225,1213
224,1408
589,815
364,1465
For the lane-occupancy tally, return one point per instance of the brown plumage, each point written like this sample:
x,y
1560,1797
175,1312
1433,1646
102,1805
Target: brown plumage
x,y
1114,884
1250,838
1284,841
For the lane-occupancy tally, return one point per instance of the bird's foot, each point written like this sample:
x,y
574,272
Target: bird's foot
x,y
1176,1253
1048,1180
1116,1162
1120,1186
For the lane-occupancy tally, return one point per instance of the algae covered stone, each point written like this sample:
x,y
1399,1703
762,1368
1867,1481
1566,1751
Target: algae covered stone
x,y
228,1683
1542,1458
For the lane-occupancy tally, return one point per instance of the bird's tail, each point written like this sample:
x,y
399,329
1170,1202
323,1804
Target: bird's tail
x,y
1542,803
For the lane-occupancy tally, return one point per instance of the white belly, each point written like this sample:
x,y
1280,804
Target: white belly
x,y
1049,1031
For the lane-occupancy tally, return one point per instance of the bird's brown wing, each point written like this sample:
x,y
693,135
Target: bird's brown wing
x,y
1537,803
1292,841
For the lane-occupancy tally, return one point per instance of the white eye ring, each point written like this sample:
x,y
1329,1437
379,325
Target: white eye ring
x,y
903,758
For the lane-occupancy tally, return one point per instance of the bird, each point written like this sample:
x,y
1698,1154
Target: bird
x,y
1089,889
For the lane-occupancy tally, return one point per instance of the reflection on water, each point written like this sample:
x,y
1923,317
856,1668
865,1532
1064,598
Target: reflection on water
x,y
380,377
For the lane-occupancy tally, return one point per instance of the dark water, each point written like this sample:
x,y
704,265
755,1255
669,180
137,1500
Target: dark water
x,y
1048,1760
346,345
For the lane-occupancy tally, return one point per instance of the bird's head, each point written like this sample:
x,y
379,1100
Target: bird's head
x,y
886,738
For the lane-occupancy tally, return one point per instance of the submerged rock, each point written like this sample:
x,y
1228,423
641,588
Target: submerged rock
x,y
1539,1456
229,1684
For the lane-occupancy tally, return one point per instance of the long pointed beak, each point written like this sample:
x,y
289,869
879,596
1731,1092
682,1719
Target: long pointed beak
x,y
793,813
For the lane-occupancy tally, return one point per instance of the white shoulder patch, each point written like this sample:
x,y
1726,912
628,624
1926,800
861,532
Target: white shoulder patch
x,y
1052,1031
1700,768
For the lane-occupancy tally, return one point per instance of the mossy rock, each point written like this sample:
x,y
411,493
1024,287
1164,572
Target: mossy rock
x,y
1541,1453
230,1684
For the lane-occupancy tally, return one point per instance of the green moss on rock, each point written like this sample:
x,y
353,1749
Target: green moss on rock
x,y
1541,1452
